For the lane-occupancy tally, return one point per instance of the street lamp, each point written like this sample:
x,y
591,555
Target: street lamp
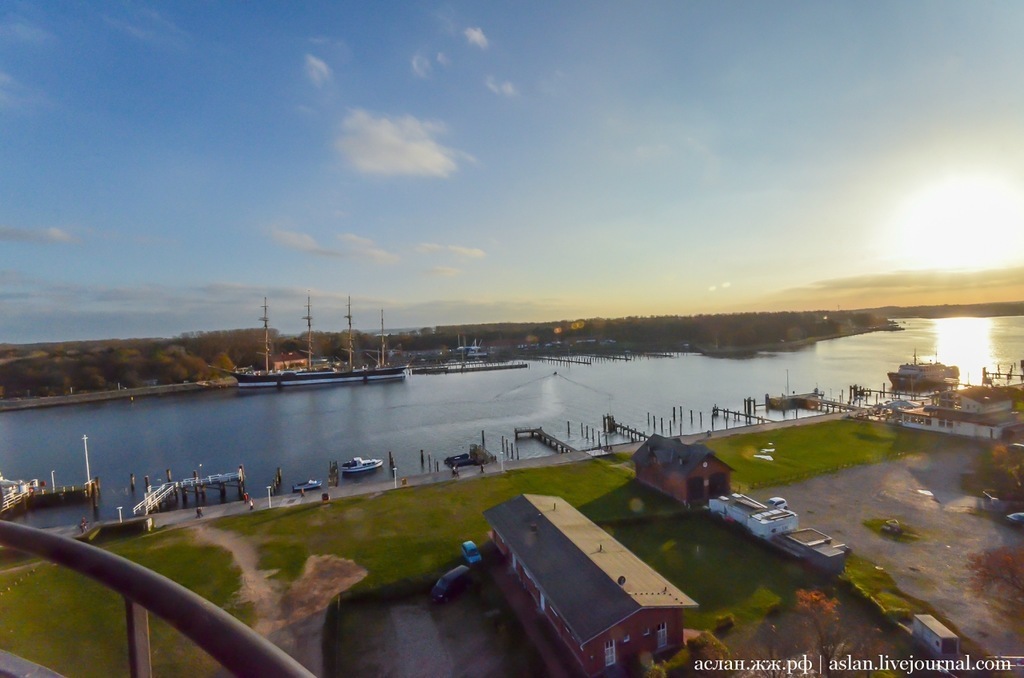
x,y
269,504
88,475
53,482
394,470
119,514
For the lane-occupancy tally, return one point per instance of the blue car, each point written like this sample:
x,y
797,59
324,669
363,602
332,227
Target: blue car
x,y
470,552
1015,518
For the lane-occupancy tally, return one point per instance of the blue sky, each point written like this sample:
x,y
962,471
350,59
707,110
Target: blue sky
x,y
165,166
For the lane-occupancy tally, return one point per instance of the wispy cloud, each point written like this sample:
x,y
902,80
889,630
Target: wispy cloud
x,y
149,26
19,30
302,242
475,36
396,146
421,66
505,89
906,288
45,236
361,247
318,72
443,59
443,272
467,252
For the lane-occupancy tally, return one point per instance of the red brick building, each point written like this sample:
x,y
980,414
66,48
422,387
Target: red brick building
x,y
604,603
689,473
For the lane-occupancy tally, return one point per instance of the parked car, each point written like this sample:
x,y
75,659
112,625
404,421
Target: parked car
x,y
459,460
451,584
778,503
470,552
1016,518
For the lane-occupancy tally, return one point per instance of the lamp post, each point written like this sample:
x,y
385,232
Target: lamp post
x,y
395,471
88,475
269,504
53,482
119,514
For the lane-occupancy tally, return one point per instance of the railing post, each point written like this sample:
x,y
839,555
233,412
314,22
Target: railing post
x,y
137,618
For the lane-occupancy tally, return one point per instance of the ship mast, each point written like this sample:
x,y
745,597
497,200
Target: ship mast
x,y
266,337
309,335
383,341
351,365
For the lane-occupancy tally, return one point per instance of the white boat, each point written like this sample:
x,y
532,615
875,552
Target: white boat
x,y
360,465
915,377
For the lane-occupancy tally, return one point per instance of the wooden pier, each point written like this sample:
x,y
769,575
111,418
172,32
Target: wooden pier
x,y
564,360
545,438
156,496
462,368
612,426
25,495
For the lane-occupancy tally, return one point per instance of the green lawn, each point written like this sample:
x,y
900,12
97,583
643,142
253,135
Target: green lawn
x,y
416,532
66,622
405,538
802,452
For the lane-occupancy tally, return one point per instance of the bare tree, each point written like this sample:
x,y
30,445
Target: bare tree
x,y
1000,570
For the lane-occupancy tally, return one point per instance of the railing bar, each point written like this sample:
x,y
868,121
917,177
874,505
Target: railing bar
x,y
236,646
139,655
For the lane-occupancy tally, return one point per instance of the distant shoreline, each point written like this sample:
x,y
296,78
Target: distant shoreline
x,y
15,404
748,351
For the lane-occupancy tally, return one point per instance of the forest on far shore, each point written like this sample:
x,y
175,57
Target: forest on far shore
x,y
84,366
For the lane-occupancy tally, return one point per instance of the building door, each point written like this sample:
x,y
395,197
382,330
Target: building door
x,y
609,653
695,489
662,635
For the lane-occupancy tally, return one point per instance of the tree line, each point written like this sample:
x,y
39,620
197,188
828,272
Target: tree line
x,y
75,367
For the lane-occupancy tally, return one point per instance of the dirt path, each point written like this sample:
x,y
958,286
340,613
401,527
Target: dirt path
x,y
290,616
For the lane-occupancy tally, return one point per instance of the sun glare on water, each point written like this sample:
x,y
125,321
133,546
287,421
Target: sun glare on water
x,y
966,223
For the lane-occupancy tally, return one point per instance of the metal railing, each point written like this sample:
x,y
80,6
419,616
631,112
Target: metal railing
x,y
157,494
234,645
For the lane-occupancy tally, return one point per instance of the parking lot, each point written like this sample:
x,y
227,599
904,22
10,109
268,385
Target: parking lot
x,y
922,492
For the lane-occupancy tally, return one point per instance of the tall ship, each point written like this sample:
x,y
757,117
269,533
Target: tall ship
x,y
327,374
915,377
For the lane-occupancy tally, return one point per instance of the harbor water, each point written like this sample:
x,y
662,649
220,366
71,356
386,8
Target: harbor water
x,y
302,430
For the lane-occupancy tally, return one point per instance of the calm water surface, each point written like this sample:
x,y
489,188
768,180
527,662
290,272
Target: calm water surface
x,y
302,430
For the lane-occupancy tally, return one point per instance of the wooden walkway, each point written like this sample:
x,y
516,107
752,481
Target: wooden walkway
x,y
545,438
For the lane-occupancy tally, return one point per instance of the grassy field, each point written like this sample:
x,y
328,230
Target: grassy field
x,y
801,452
415,533
66,622
405,538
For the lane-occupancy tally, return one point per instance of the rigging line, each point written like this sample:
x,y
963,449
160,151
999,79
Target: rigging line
x,y
589,388
523,385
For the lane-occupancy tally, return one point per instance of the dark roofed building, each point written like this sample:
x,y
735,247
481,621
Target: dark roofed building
x,y
689,473
605,604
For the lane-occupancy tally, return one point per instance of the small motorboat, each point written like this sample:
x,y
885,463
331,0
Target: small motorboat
x,y
308,485
360,465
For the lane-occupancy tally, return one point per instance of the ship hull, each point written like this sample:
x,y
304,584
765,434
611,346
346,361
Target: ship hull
x,y
249,380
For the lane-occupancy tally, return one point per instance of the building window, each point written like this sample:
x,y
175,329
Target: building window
x,y
662,635
626,639
609,653
647,631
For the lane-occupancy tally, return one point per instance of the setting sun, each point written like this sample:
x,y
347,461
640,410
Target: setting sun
x,y
961,223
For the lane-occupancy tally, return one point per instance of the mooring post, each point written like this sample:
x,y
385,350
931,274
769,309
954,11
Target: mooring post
x,y
131,481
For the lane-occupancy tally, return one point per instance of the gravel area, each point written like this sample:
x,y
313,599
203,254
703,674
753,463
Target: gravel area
x,y
923,492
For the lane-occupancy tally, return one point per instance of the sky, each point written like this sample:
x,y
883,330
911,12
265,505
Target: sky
x,y
164,167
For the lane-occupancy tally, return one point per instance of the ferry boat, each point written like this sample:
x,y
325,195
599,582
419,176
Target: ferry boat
x,y
915,377
309,376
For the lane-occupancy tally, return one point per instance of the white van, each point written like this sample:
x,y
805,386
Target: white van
x,y
778,503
